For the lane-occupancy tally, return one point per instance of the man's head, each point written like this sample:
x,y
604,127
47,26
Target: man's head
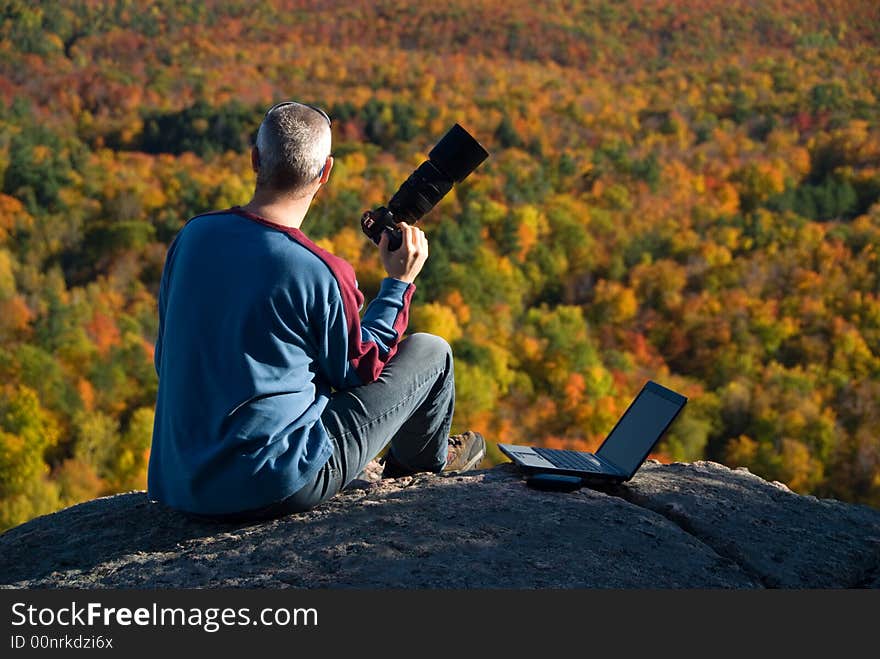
x,y
292,151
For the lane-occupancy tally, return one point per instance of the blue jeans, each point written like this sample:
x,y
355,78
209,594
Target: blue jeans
x,y
410,405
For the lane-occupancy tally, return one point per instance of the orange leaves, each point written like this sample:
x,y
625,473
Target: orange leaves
x,y
86,393
12,216
454,300
574,389
15,316
104,332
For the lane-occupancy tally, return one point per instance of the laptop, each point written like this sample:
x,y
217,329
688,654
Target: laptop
x,y
624,450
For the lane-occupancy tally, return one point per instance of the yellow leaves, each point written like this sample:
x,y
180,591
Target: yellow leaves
x,y
531,226
758,181
492,213
716,255
711,304
857,141
138,436
15,315
53,40
355,163
741,451
599,381
97,438
764,83
476,391
728,199
659,284
851,352
154,198
617,303
617,196
347,244
7,276
436,318
729,237
41,154
325,243
27,430
426,88
12,215
38,496
800,470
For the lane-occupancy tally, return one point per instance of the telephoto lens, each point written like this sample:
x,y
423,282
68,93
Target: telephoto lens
x,y
451,161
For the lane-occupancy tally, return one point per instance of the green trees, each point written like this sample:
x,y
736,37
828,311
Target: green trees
x,y
201,128
27,431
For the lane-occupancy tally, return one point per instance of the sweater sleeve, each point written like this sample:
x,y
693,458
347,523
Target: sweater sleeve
x,y
353,351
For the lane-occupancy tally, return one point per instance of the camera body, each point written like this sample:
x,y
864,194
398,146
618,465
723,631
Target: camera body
x,y
451,160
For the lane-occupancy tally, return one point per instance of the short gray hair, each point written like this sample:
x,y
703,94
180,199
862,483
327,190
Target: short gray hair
x,y
293,143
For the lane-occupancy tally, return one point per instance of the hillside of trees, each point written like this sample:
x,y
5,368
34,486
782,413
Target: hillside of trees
x,y
678,190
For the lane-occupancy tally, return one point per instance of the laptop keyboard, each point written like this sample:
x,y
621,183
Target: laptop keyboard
x,y
567,459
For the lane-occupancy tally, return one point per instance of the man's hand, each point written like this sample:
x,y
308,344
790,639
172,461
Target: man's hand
x,y
405,263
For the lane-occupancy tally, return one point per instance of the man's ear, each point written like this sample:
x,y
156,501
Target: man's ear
x,y
255,159
325,173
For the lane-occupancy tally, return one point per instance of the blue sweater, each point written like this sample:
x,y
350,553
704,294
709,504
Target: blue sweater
x,y
257,326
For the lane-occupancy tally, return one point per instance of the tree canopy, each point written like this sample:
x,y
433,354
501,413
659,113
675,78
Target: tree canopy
x,y
682,191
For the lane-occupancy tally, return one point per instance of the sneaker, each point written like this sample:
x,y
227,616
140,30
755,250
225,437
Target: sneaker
x,y
465,452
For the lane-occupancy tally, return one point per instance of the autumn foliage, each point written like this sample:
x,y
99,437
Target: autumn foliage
x,y
683,191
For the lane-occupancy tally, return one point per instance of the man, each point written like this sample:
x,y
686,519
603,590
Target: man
x,y
273,393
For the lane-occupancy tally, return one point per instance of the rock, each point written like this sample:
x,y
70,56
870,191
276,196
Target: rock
x,y
673,526
779,538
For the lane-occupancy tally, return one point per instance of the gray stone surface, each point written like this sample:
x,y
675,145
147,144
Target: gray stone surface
x,y
676,526
781,539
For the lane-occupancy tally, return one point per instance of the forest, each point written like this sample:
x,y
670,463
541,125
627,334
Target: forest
x,y
684,191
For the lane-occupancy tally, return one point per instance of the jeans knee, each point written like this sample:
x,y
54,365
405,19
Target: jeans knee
x,y
432,346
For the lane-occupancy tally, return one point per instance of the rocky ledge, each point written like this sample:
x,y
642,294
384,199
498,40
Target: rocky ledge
x,y
698,525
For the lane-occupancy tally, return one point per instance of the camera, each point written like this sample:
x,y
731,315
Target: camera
x,y
451,160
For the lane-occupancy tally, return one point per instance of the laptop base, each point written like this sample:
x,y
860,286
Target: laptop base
x,y
532,464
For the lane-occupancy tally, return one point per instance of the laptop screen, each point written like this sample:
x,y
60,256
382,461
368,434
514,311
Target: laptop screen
x,y
640,427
